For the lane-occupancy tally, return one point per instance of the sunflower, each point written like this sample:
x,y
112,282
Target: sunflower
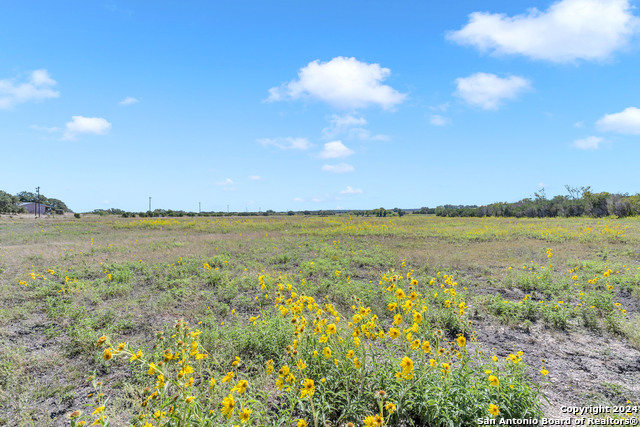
x,y
227,406
308,388
494,410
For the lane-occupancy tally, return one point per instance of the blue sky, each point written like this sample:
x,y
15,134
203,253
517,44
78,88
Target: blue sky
x,y
317,105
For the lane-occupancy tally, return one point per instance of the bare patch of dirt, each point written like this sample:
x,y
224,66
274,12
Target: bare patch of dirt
x,y
584,368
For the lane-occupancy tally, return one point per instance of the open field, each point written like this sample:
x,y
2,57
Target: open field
x,y
464,295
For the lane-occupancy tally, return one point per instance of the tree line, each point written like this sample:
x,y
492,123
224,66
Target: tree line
x,y
10,204
579,201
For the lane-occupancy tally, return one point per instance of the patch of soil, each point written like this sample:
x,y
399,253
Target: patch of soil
x,y
584,368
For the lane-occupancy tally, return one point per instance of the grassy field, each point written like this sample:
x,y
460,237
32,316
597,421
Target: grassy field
x,y
315,321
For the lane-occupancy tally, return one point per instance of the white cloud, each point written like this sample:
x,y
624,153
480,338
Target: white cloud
x,y
88,125
488,90
36,88
298,199
627,121
341,82
335,150
288,143
578,125
347,120
339,168
344,125
541,185
350,190
340,124
365,134
42,78
129,100
255,177
317,199
568,30
227,181
438,120
588,143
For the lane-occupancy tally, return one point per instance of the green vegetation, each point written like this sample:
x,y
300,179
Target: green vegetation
x,y
9,204
579,202
304,308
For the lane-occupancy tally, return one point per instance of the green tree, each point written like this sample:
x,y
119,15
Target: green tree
x,y
8,203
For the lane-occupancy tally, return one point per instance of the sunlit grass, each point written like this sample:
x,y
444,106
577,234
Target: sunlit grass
x,y
67,282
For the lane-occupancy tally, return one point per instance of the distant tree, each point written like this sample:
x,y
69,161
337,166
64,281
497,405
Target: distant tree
x,y
58,205
8,203
26,196
576,192
541,194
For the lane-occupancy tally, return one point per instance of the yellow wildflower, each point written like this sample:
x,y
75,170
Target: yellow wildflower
x,y
227,406
493,380
308,388
326,352
241,386
244,415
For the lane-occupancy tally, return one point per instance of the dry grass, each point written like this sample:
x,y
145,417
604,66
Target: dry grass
x,y
43,358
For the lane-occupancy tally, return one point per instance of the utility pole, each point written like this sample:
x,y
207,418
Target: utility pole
x,y
199,208
149,204
36,211
227,208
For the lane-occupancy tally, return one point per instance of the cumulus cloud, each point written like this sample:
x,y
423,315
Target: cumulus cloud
x,y
36,88
488,90
298,199
627,121
588,143
339,168
335,150
568,30
317,199
129,100
255,177
342,83
287,143
86,125
438,120
350,190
